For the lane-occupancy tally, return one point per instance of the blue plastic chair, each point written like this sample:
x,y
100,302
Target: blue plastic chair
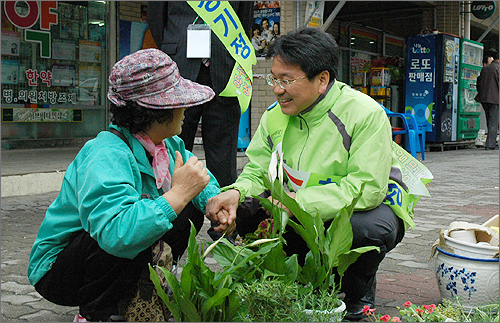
x,y
413,133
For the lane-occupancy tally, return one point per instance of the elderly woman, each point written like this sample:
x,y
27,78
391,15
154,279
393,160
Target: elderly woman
x,y
126,189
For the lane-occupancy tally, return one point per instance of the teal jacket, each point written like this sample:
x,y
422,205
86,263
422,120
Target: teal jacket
x,y
111,193
347,135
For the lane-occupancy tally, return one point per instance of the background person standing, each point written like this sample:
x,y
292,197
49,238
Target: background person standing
x,y
487,95
168,22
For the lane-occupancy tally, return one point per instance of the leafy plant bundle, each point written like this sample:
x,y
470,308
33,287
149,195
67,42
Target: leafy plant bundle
x,y
273,300
201,295
328,250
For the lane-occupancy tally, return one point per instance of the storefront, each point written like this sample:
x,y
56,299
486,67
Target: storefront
x,y
372,62
54,66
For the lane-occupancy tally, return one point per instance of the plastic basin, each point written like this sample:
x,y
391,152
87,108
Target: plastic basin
x,y
472,250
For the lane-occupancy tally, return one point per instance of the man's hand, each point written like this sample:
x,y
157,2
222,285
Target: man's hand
x,y
270,198
222,209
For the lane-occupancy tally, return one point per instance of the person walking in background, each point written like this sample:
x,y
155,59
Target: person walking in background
x,y
322,126
168,22
127,190
487,59
487,95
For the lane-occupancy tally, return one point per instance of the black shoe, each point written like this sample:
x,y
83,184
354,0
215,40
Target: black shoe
x,y
354,308
216,235
491,148
354,311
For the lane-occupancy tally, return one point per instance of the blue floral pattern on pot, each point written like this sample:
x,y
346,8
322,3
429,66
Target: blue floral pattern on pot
x,y
457,275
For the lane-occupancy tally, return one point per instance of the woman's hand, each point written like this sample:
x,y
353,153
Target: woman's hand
x,y
188,180
222,209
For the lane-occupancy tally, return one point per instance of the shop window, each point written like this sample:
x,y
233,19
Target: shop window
x,y
363,40
393,46
53,54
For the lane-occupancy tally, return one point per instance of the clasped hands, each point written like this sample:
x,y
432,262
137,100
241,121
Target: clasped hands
x,y
221,210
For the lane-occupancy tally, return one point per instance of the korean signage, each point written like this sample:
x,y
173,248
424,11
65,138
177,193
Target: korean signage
x,y
420,74
41,115
225,24
49,56
38,11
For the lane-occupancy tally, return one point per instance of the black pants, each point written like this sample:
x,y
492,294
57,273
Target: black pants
x,y
85,275
378,227
220,119
491,113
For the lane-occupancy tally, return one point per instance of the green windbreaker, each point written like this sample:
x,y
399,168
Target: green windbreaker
x,y
111,193
347,135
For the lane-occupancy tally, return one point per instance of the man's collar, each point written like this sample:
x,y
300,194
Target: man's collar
x,y
320,97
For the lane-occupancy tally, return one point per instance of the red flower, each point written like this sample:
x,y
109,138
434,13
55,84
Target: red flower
x,y
385,318
367,310
420,311
429,308
407,304
396,319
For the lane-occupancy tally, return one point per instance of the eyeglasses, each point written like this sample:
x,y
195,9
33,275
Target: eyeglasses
x,y
272,81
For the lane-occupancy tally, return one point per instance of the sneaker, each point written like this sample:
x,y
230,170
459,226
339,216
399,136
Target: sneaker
x,y
79,318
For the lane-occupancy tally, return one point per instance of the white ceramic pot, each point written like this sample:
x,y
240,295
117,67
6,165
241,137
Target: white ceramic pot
x,y
472,250
473,280
336,312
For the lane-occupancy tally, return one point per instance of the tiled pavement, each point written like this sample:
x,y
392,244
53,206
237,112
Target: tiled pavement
x,y
465,188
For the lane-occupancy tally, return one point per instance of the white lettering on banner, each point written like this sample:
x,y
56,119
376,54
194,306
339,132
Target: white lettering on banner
x,y
34,97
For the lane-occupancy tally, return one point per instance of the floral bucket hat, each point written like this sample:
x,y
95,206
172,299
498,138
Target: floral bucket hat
x,y
151,78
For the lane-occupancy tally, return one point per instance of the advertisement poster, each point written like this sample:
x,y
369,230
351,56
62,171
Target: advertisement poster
x,y
63,50
132,36
63,75
314,13
90,51
421,63
41,115
266,26
10,71
11,43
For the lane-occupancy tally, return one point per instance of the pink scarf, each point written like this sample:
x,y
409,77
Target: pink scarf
x,y
160,160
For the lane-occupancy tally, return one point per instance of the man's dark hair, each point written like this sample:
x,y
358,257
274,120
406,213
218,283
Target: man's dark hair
x,y
136,118
311,48
495,55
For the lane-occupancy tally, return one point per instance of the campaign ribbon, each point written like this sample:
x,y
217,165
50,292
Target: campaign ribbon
x,y
415,175
226,25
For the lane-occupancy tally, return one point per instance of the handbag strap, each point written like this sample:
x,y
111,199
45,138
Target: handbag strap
x,y
121,136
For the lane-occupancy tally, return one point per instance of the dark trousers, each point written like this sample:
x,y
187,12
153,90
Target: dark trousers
x,y
378,227
85,275
220,120
491,113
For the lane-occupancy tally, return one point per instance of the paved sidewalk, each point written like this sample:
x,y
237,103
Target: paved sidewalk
x,y
465,188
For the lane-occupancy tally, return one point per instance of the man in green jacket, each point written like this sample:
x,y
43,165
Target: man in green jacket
x,y
333,140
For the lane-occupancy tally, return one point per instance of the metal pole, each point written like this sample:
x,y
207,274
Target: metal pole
x,y
467,13
113,46
316,7
480,39
332,16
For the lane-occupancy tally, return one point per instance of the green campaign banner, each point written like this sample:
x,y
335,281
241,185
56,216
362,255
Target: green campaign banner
x,y
225,24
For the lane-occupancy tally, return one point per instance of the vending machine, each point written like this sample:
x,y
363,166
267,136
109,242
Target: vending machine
x,y
432,84
471,63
